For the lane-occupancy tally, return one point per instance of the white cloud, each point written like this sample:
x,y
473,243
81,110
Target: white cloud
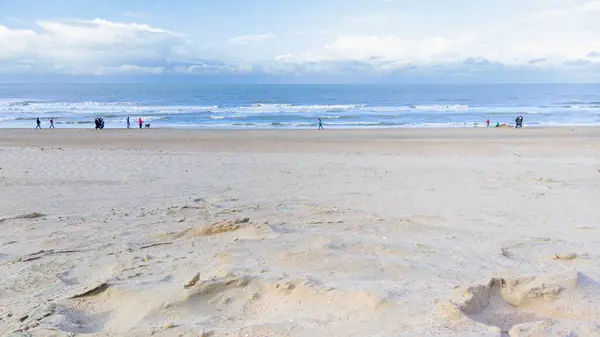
x,y
387,47
585,8
214,69
89,47
555,52
590,7
102,47
129,69
247,39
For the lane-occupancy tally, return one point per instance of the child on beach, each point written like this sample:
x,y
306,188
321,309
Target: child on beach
x,y
320,127
51,124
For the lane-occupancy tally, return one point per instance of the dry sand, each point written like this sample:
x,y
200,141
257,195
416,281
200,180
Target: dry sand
x,y
471,232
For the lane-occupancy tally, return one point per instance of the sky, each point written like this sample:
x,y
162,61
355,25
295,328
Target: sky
x,y
307,41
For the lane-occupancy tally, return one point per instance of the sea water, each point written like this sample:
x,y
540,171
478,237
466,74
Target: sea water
x,y
298,106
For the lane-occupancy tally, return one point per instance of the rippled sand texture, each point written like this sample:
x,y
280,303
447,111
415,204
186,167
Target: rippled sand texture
x,y
299,233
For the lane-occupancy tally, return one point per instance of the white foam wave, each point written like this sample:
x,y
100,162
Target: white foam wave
x,y
145,119
291,108
440,107
100,108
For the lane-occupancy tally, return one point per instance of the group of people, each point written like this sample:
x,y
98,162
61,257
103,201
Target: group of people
x,y
518,122
140,122
99,123
38,123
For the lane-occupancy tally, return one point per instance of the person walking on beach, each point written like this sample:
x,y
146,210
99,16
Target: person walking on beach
x,y
140,122
38,123
128,124
519,122
51,124
487,122
320,127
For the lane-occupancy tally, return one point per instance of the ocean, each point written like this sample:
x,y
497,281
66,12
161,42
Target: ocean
x,y
298,106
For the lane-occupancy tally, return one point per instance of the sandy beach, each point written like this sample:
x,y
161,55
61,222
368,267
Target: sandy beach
x,y
450,232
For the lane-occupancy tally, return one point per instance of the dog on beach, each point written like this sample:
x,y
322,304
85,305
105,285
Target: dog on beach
x,y
147,125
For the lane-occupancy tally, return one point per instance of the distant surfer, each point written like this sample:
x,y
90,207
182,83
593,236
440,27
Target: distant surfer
x,y
320,127
38,123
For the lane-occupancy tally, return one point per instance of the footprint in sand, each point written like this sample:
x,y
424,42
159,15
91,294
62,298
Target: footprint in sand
x,y
528,306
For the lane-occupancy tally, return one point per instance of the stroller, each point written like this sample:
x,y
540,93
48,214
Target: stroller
x,y
519,122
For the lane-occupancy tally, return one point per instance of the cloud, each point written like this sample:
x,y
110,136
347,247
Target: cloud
x,y
537,61
588,7
214,68
386,47
248,39
129,69
467,57
593,54
91,47
467,70
545,14
577,63
103,48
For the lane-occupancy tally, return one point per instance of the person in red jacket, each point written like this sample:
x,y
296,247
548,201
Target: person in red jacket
x,y
487,123
140,122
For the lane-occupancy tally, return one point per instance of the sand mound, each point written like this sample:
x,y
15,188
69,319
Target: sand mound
x,y
33,215
107,308
232,301
550,328
513,304
219,227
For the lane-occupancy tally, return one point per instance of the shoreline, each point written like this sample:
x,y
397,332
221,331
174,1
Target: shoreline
x,y
428,126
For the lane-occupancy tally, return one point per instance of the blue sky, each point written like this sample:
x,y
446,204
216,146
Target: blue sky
x,y
371,41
